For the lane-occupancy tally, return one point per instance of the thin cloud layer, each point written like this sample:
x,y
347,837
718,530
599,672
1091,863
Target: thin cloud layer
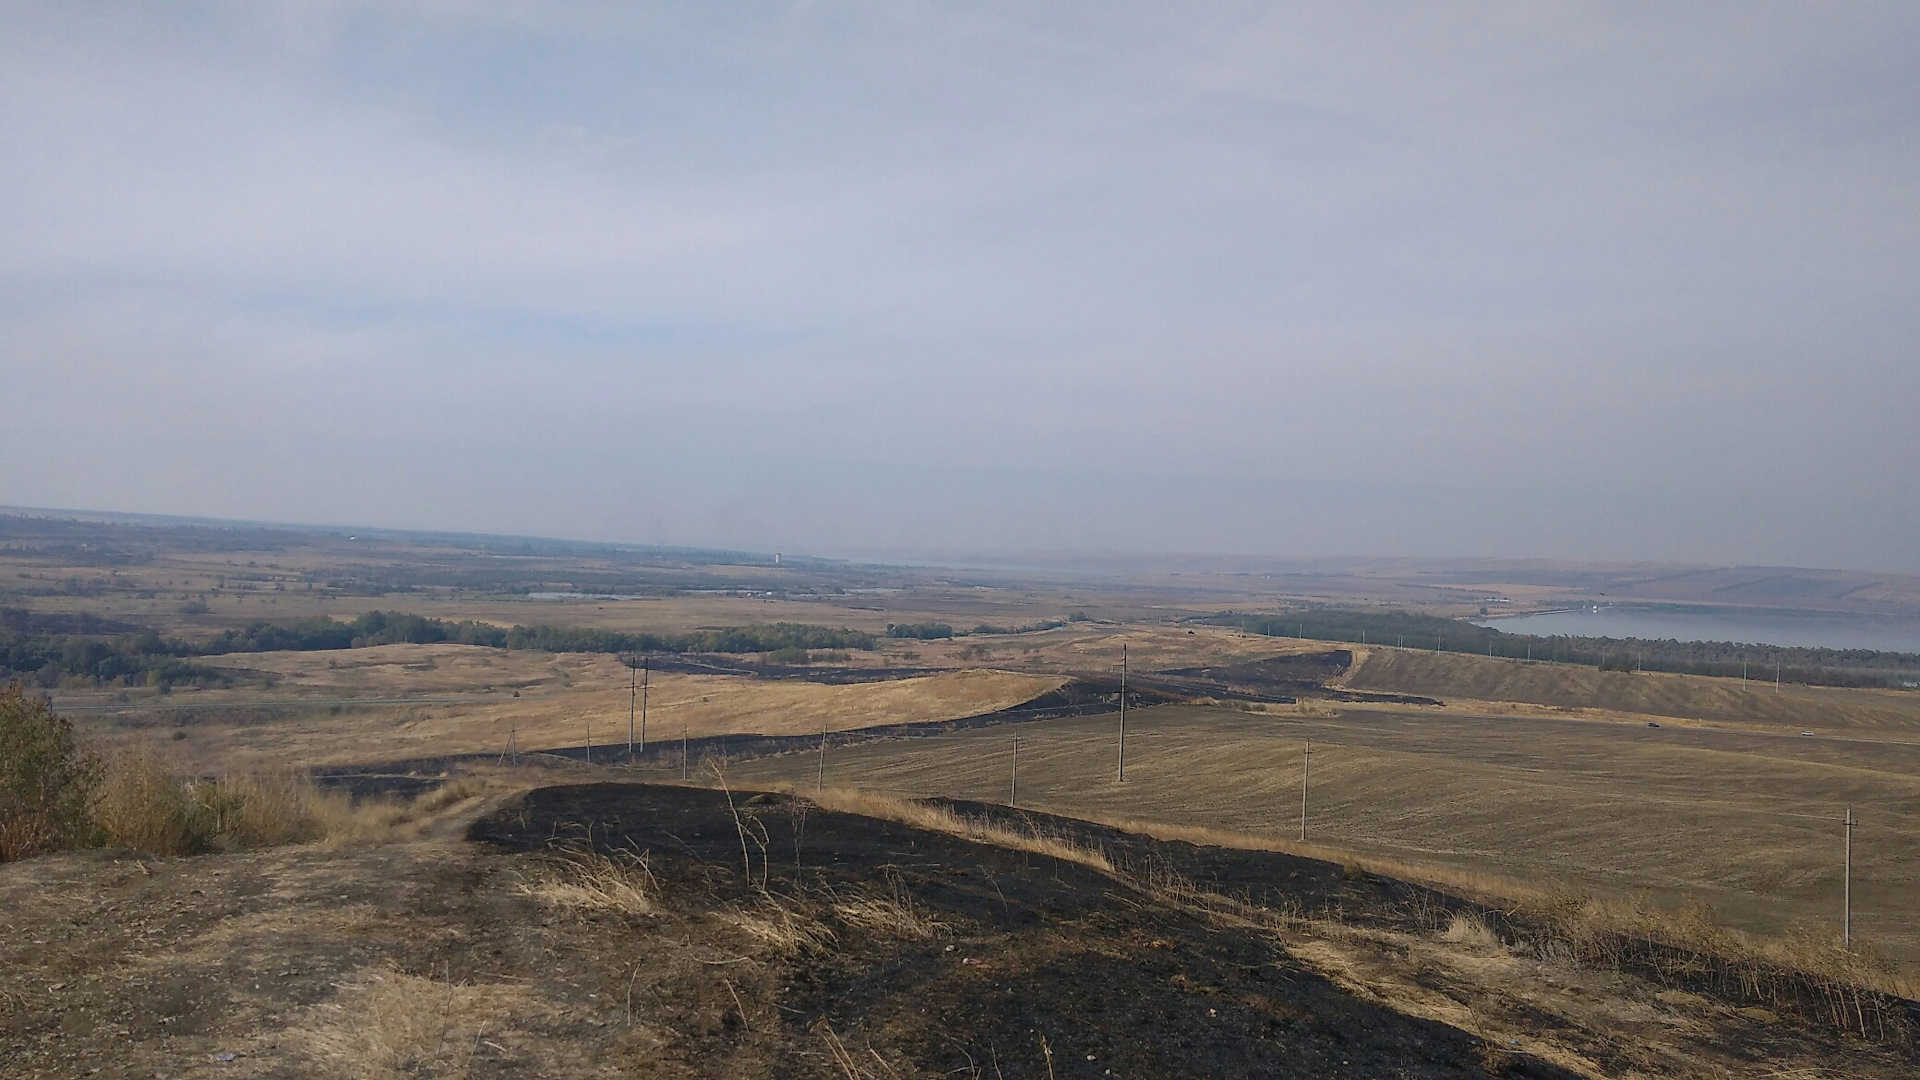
x,y
1548,280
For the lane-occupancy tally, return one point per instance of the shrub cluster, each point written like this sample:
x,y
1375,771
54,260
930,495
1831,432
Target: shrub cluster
x,y
47,779
926,631
55,794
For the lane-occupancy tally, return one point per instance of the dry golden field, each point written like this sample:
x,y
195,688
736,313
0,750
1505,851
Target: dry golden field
x,y
1091,647
394,702
1749,822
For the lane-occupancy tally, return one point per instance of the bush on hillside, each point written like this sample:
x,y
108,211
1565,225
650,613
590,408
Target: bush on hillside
x,y
47,779
926,631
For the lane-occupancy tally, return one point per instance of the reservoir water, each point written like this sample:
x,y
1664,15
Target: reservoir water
x,y
1694,624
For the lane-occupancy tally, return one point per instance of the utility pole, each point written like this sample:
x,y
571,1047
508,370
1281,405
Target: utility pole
x,y
683,751
1743,674
1120,768
1846,888
1306,769
589,723
1013,780
820,775
1776,676
646,676
632,694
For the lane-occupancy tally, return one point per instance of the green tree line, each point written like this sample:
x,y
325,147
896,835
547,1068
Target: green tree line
x,y
926,631
49,658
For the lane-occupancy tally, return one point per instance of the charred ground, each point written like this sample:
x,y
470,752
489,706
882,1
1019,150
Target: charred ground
x,y
778,937
1018,947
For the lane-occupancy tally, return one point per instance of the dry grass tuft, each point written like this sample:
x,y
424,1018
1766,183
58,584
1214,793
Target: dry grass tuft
x,y
151,804
346,822
780,929
936,818
447,794
588,881
388,1025
146,805
1471,931
264,808
893,913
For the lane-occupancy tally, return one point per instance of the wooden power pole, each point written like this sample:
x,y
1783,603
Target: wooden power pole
x,y
1306,769
1846,887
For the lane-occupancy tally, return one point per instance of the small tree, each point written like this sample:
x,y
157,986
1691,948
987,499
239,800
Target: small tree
x,y
47,779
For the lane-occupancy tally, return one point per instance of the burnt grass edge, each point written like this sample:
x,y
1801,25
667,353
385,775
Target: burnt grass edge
x,y
1239,880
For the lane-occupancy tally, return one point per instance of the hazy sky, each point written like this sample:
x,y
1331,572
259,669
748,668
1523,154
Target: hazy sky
x,y
1582,280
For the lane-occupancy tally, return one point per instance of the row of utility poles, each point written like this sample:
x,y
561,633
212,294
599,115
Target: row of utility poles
x,y
639,680
1306,774
637,697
